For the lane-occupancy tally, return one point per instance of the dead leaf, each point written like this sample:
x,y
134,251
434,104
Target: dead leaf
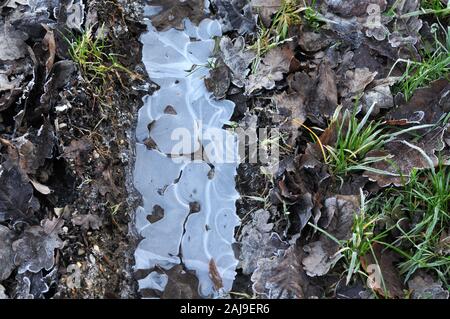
x,y
310,41
336,218
32,149
6,253
181,284
215,275
88,221
35,249
323,99
271,69
357,80
218,80
384,277
12,44
426,106
258,241
423,286
406,156
406,29
236,15
319,259
236,58
265,9
49,45
17,202
290,107
173,12
282,277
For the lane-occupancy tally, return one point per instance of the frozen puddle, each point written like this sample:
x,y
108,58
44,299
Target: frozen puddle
x,y
186,164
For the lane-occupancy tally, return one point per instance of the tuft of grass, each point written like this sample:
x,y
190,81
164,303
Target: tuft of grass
x,y
355,139
427,200
435,64
419,215
96,64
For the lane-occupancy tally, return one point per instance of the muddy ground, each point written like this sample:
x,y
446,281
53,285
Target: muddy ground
x,y
86,162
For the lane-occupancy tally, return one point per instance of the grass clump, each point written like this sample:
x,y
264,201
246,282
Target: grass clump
x,y
435,64
355,139
97,66
424,239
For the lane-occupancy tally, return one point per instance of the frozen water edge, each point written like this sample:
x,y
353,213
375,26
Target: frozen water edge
x,y
170,182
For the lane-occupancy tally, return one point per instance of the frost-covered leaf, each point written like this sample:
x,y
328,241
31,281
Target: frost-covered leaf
x,y
12,44
380,95
14,76
175,283
30,286
6,253
258,241
173,12
88,221
236,15
282,276
291,107
322,99
271,69
236,58
426,106
320,258
17,202
357,80
423,286
71,13
406,155
265,9
34,148
35,249
337,220
13,3
2,293
406,29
